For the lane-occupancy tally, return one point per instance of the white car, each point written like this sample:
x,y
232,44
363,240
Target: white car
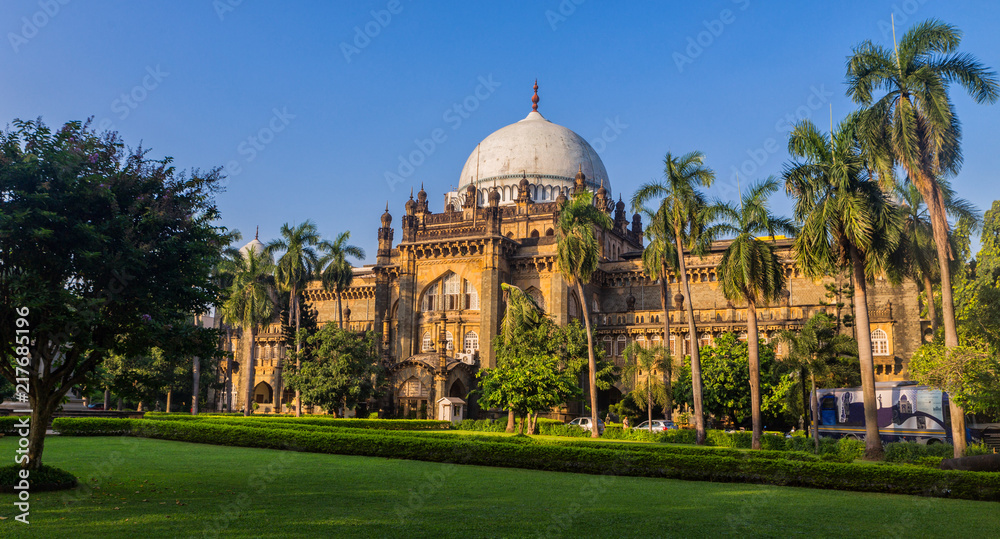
x,y
659,425
585,424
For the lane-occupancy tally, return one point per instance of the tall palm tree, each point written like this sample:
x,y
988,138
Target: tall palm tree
x,y
658,259
292,273
647,388
251,304
750,271
812,349
522,314
337,273
578,253
847,221
688,217
918,230
915,116
224,280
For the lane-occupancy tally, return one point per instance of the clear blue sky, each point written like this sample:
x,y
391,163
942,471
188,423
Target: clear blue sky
x,y
336,119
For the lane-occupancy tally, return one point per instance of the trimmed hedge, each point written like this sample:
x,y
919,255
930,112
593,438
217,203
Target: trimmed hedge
x,y
374,424
8,424
45,478
614,459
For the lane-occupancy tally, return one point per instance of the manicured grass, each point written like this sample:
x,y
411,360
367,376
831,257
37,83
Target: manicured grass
x,y
155,488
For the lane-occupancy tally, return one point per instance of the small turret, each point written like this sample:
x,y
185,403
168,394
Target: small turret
x,y
384,253
579,184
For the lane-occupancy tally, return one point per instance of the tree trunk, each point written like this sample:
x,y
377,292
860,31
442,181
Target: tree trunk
x,y
696,389
523,421
510,421
595,432
279,366
957,428
753,351
340,311
107,399
931,304
873,442
814,400
649,402
805,401
196,385
121,405
228,397
248,372
41,415
668,410
298,357
169,395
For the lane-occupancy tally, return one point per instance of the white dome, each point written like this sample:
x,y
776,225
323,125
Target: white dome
x,y
255,243
548,154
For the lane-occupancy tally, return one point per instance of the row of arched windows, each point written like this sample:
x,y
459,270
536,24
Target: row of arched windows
x,y
450,293
539,193
470,342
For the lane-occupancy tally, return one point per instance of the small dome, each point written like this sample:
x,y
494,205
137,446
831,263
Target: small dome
x,y
386,217
679,298
422,195
523,184
561,198
620,206
254,244
494,198
411,205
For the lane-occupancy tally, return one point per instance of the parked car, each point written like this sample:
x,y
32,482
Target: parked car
x,y
96,406
585,424
659,425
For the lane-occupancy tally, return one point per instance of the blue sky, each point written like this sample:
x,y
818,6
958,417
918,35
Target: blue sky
x,y
308,116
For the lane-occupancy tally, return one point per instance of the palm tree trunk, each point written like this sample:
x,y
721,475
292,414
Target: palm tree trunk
x,y
340,311
873,442
753,351
931,304
592,363
696,389
169,394
279,365
248,373
805,400
649,401
229,369
814,400
298,356
668,410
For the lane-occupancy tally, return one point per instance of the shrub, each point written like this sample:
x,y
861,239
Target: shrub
x,y
799,443
908,452
972,450
773,442
43,479
930,462
8,424
850,449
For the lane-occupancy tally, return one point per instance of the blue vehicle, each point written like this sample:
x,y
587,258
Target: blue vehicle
x,y
907,412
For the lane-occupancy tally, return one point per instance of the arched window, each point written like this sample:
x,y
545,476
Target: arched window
x,y
471,296
673,345
706,339
449,340
880,343
657,341
262,393
536,295
412,388
607,341
550,232
534,233
451,285
471,342
430,297
574,306
641,341
426,344
620,345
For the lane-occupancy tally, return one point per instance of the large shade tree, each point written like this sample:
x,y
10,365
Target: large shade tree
x,y
688,217
847,221
103,250
578,253
906,92
750,271
292,273
250,305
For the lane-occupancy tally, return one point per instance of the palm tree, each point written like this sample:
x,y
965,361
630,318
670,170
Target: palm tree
x,y
224,280
916,117
292,273
812,349
846,221
578,253
750,271
522,314
337,273
648,387
658,258
250,305
918,230
688,218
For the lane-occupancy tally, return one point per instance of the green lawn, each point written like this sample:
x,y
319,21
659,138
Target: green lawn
x,y
154,488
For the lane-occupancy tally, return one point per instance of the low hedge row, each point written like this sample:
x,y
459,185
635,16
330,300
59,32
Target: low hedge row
x,y
8,424
645,461
375,424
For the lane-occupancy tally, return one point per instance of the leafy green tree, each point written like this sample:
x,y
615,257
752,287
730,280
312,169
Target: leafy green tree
x,y
846,221
344,373
817,349
688,221
970,374
95,241
977,285
250,305
750,271
292,273
337,273
644,371
915,116
577,255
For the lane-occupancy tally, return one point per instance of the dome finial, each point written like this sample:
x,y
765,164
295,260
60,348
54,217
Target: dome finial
x,y
411,193
534,98
256,233
386,205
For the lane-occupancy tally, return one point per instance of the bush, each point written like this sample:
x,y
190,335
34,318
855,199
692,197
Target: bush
x,y
43,479
972,450
580,456
8,424
773,442
910,452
